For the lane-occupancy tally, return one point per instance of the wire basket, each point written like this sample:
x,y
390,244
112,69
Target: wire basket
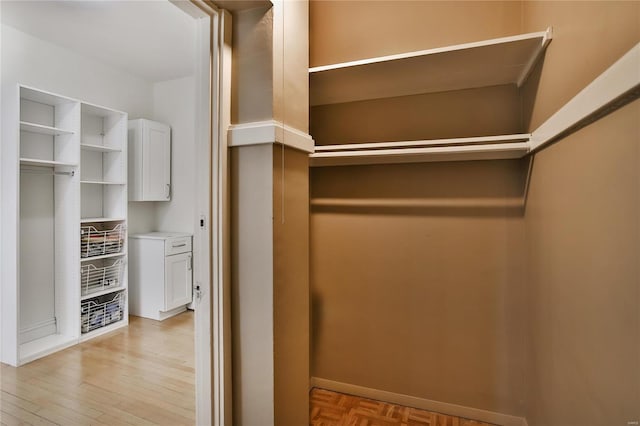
x,y
96,241
102,311
100,275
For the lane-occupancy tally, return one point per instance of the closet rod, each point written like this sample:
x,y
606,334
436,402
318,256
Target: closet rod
x,y
47,172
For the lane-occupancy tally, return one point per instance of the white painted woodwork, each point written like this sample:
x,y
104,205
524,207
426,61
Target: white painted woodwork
x,y
459,149
150,161
620,79
269,132
161,277
506,60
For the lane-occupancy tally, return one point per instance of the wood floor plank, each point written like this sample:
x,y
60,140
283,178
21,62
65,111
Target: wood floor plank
x,y
141,375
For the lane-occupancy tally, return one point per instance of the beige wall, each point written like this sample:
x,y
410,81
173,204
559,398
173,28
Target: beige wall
x,y
348,30
583,238
252,283
291,285
252,73
587,38
583,230
474,112
291,64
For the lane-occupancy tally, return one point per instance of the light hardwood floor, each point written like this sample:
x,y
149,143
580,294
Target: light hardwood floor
x,y
141,375
337,409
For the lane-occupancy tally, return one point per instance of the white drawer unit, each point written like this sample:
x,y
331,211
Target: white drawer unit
x,y
160,274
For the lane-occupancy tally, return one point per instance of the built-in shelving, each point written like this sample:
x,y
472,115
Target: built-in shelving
x,y
506,60
99,148
102,219
102,293
87,145
45,163
101,182
104,256
500,61
457,149
26,126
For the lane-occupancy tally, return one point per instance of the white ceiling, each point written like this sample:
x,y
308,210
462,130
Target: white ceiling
x,y
152,39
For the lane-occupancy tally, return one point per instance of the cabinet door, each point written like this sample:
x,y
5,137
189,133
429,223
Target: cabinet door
x,y
156,162
178,280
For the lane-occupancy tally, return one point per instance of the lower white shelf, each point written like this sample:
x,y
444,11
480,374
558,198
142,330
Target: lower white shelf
x,y
459,149
104,330
44,346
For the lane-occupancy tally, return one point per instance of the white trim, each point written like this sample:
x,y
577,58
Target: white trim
x,y
498,151
533,60
38,331
620,78
269,132
201,241
544,35
521,137
425,404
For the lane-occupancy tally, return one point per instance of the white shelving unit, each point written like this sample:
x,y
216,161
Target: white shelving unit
x,y
63,143
48,218
103,237
506,60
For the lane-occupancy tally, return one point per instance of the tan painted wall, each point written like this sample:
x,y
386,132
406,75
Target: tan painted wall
x,y
291,64
291,285
421,298
583,235
348,30
588,37
475,112
583,231
252,73
252,283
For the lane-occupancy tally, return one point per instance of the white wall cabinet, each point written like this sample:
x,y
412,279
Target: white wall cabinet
x,y
149,161
71,285
160,274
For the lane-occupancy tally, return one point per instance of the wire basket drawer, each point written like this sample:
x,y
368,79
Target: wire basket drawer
x,y
101,275
97,239
102,311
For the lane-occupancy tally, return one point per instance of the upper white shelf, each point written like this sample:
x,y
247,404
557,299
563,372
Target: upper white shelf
x,y
459,149
44,163
25,126
99,148
506,60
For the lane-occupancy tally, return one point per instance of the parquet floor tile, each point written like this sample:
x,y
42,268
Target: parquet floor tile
x,y
336,409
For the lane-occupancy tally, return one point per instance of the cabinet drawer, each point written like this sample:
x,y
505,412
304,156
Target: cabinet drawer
x,y
177,245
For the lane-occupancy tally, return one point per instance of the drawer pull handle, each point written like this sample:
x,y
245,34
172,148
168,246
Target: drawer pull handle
x,y
179,245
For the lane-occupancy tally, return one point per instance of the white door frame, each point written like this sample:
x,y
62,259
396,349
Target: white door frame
x,y
211,239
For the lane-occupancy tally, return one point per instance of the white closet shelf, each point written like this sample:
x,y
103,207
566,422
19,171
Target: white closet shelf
x,y
44,163
104,256
103,292
103,330
44,346
506,60
100,182
99,148
26,126
459,149
43,97
102,219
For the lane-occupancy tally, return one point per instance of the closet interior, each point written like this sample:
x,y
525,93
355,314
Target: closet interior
x,y
448,248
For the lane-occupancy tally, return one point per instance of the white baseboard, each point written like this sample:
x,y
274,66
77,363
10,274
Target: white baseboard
x,y
424,404
269,132
38,331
